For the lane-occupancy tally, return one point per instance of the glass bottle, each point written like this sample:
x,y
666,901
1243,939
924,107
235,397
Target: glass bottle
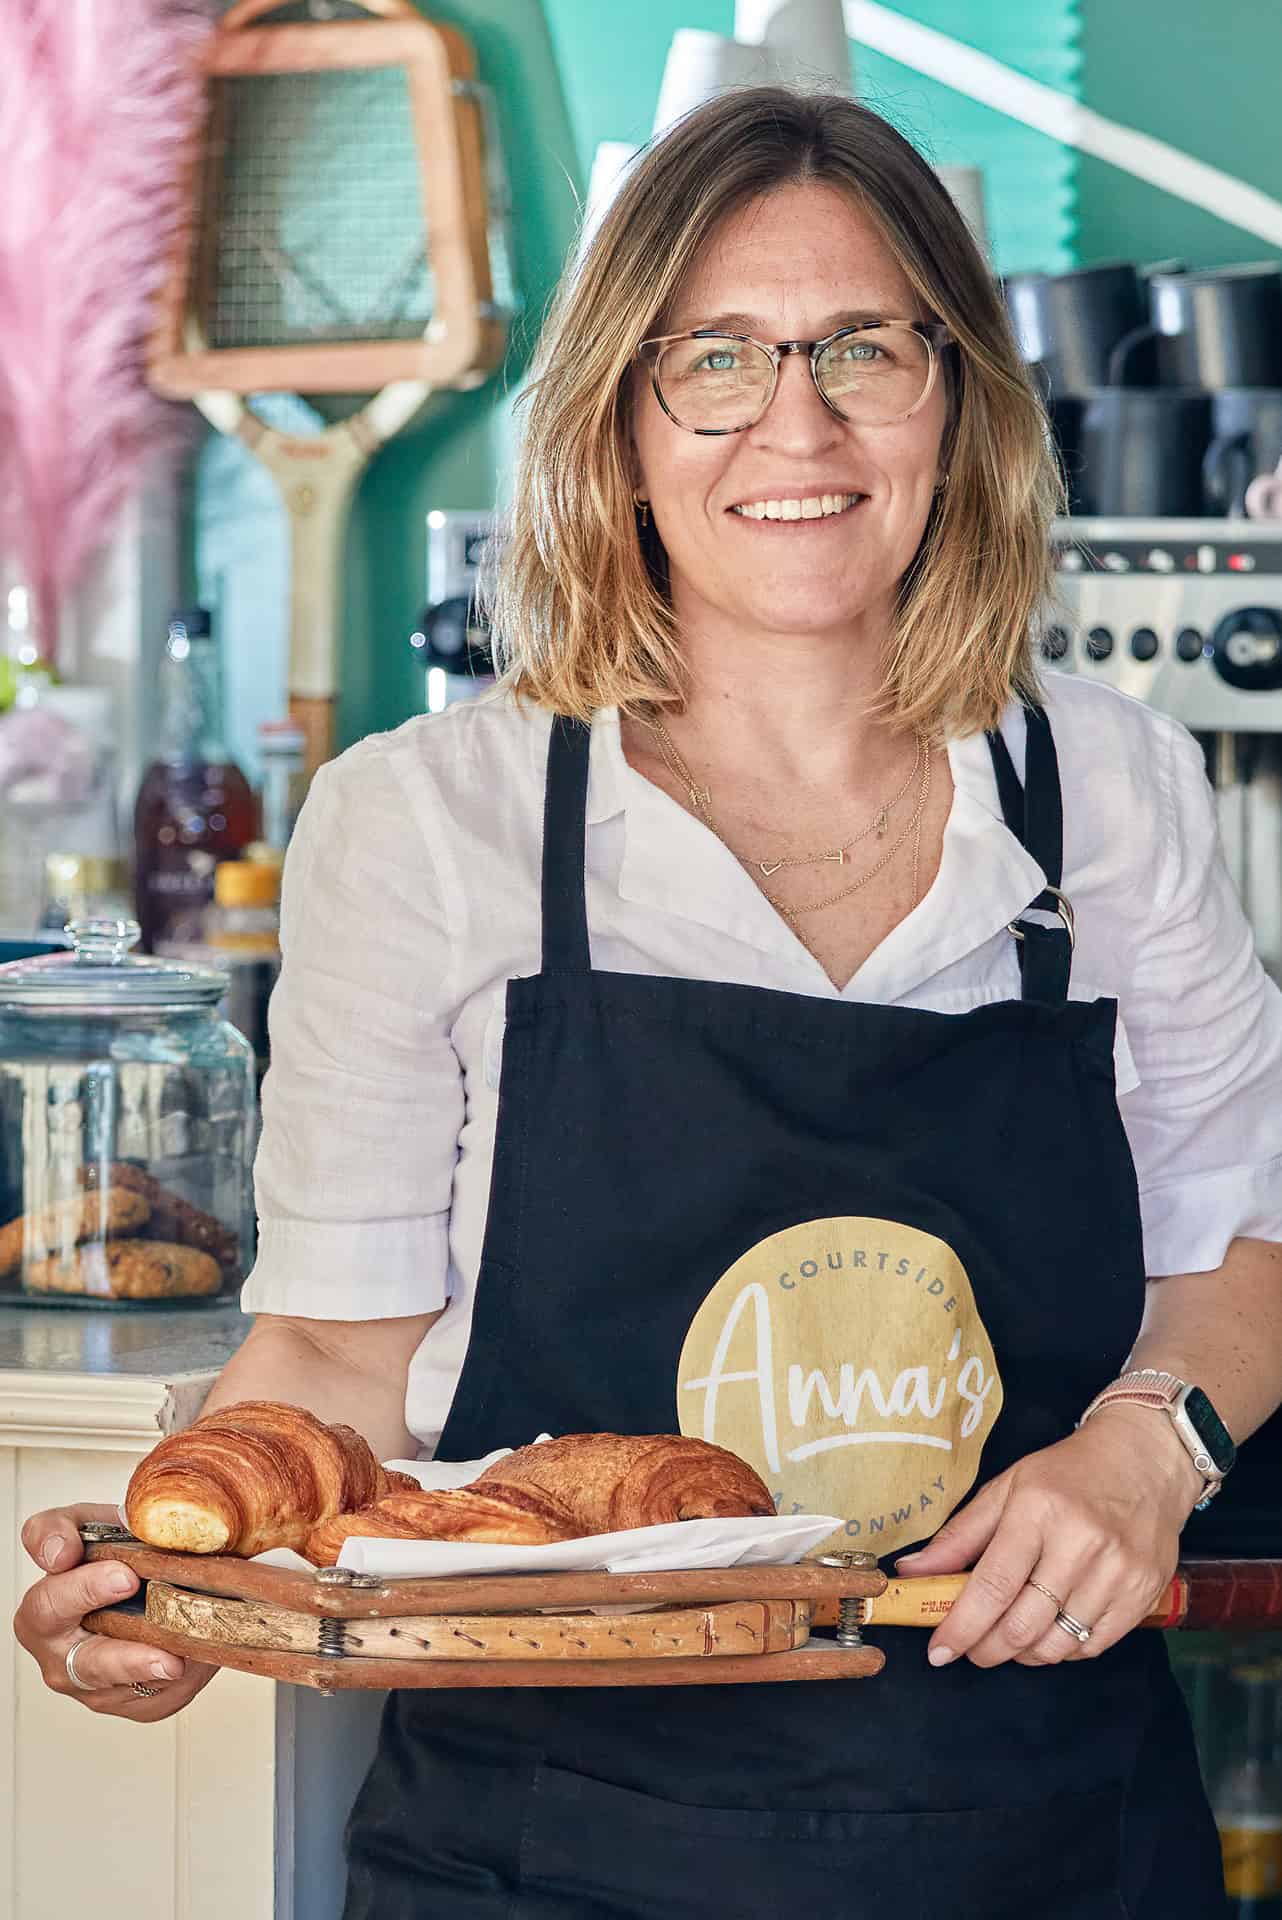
x,y
281,750
83,886
1198,1664
57,789
240,935
195,806
1248,1802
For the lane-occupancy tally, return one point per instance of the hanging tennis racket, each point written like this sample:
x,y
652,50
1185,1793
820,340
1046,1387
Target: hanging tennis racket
x,y
346,246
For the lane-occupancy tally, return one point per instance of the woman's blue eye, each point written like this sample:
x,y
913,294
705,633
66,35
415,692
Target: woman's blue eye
x,y
726,361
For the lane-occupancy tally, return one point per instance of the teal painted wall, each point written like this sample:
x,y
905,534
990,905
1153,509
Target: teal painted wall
x,y
1030,178
569,73
1204,77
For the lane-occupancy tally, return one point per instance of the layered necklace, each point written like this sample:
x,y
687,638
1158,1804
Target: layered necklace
x,y
701,802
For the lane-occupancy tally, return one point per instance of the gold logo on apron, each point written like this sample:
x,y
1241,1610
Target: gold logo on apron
x,y
847,1361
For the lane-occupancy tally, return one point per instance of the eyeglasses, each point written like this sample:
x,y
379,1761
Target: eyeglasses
x,y
873,374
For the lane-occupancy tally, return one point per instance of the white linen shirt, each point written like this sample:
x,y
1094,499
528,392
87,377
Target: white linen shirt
x,y
411,898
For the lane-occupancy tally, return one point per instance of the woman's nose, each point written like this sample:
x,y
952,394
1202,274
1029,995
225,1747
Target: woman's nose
x,y
797,419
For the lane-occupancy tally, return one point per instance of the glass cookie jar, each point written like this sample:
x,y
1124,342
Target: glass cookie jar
x,y
127,1120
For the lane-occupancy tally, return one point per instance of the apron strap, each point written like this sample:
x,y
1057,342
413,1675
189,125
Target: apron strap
x,y
565,807
1035,815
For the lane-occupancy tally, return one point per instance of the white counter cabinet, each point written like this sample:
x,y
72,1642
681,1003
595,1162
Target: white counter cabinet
x,y
232,1809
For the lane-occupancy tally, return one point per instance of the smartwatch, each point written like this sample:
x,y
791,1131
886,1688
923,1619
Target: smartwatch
x,y
1203,1434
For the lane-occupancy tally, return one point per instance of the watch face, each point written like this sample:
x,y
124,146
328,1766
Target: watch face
x,y
1211,1430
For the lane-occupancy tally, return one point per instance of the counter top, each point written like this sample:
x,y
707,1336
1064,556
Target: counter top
x,y
155,1342
81,1377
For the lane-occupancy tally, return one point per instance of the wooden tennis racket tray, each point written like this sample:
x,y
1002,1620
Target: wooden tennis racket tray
x,y
331,1629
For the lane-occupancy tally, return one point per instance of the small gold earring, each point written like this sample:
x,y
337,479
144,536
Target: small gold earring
x,y
639,500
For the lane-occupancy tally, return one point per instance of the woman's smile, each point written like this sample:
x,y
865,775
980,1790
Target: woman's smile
x,y
806,512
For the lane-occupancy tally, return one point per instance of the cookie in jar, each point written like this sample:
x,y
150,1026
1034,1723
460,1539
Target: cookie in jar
x,y
127,1118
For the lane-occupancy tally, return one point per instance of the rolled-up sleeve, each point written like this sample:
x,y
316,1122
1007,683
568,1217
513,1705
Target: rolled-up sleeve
x,y
1205,1027
363,1100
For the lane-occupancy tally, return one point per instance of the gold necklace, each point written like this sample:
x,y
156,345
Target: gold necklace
x,y
700,797
701,800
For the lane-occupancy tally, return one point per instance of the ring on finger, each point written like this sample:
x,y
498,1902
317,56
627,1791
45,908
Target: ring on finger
x,y
1079,1632
81,1686
1046,1590
144,1693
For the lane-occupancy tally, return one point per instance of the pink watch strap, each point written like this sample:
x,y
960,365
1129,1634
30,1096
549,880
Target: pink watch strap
x,y
1146,1387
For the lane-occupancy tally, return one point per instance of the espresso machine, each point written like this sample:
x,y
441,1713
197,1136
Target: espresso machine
x,y
1187,615
451,642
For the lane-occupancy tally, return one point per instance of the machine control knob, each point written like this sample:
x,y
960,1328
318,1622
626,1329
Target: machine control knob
x,y
1099,643
1144,644
1246,649
1189,644
1055,643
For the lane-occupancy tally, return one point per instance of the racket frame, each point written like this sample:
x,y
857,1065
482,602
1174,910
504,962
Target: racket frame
x,y
466,336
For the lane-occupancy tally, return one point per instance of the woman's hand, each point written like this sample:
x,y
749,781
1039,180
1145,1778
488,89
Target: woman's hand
x,y
48,1622
1095,1519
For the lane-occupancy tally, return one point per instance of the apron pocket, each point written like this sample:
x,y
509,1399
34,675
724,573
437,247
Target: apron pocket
x,y
590,1851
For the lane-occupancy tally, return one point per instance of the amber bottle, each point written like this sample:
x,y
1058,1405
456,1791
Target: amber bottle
x,y
195,806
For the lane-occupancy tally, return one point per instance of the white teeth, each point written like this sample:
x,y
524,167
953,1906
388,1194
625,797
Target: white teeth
x,y
815,507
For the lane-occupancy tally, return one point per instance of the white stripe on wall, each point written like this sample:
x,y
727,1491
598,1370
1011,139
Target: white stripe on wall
x,y
982,78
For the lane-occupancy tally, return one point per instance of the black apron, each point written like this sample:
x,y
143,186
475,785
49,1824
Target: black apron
x,y
651,1131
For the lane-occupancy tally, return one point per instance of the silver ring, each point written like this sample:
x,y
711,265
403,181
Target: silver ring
x,y
1075,1627
81,1686
144,1693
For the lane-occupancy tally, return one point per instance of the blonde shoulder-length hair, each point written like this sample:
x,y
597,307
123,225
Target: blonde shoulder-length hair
x,y
579,602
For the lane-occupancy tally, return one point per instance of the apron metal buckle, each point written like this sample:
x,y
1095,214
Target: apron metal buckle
x,y
1063,907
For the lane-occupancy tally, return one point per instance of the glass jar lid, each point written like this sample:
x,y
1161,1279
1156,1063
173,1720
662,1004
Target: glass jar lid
x,y
102,976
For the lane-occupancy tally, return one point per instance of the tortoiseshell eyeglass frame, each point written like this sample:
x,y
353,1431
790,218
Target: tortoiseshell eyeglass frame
x,y
933,332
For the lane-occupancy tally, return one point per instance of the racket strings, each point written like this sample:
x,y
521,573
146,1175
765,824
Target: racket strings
x,y
320,231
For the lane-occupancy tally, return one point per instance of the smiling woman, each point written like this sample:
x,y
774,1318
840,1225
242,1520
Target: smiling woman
x,y
681,296
768,915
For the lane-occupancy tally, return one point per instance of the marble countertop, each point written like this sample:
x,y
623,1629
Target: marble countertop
x,y
150,1344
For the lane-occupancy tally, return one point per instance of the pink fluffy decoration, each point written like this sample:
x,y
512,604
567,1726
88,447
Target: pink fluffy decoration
x,y
96,100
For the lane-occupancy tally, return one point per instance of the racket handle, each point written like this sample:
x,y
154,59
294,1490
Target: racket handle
x,y
924,1602
928,1599
1246,1594
315,715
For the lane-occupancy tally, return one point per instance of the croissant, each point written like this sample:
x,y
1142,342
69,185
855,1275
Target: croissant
x,y
251,1476
611,1481
401,1482
502,1515
325,1542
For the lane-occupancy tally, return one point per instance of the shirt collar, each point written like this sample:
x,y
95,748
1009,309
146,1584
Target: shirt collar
x,y
607,767
671,862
